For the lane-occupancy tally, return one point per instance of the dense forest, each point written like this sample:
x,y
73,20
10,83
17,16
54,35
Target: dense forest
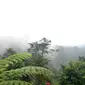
x,y
40,63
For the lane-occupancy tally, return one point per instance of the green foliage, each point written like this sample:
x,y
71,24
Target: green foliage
x,y
29,71
1,57
14,72
82,58
9,52
15,82
37,61
72,74
39,47
38,50
14,61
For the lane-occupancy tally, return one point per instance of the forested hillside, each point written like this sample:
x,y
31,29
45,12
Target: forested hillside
x,y
40,63
64,54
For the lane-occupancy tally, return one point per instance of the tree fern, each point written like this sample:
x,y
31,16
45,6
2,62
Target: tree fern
x,y
13,71
29,71
14,61
15,82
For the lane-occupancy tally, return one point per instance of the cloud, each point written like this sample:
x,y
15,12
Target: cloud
x,y
61,21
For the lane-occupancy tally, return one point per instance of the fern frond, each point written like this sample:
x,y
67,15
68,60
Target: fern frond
x,y
15,82
14,60
12,71
30,71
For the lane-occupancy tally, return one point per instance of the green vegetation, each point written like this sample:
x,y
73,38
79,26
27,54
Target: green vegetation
x,y
73,73
9,52
14,72
38,50
32,67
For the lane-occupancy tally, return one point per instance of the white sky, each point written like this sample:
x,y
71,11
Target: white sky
x,y
62,21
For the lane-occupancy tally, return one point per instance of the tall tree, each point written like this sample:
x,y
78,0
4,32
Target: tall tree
x,y
8,52
38,50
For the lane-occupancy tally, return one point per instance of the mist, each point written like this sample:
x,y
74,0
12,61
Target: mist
x,y
18,44
63,56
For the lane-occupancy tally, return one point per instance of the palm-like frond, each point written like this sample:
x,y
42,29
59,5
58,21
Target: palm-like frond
x,y
15,82
30,71
14,60
11,73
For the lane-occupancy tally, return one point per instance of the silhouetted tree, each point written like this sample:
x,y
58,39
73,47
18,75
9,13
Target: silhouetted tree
x,y
81,58
38,50
8,52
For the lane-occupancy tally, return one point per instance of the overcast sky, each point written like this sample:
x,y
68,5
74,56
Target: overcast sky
x,y
62,21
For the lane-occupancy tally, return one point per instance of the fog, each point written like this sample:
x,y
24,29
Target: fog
x,y
18,44
63,56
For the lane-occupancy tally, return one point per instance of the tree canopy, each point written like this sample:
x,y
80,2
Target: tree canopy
x,y
13,71
38,50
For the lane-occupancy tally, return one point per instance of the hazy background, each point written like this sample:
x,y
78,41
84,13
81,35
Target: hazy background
x,y
62,21
63,56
